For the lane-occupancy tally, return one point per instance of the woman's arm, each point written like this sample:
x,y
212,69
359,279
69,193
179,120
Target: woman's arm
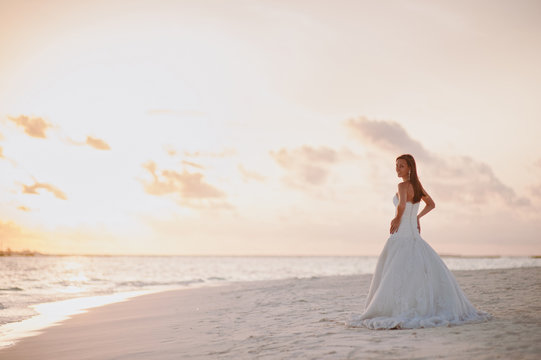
x,y
430,205
402,196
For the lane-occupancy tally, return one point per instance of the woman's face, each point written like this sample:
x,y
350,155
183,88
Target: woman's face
x,y
402,168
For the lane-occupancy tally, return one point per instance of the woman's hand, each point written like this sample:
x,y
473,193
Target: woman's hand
x,y
395,223
418,225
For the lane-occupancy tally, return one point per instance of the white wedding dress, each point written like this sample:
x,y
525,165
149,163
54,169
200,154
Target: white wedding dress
x,y
412,287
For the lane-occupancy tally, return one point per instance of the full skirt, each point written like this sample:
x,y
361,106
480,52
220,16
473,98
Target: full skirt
x,y
413,288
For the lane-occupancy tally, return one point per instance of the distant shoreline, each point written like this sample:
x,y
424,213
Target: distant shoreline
x,y
9,252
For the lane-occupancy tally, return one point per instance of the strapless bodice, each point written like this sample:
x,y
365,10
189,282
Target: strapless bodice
x,y
408,222
412,287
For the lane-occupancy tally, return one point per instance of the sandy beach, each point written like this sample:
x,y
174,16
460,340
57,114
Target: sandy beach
x,y
293,319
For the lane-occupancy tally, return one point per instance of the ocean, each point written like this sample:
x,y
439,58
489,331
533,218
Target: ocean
x,y
26,281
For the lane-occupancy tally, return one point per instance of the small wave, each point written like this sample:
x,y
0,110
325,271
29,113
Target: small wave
x,y
188,282
141,284
11,289
2,306
306,278
213,278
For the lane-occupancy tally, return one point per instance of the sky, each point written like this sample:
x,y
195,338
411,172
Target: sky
x,y
212,127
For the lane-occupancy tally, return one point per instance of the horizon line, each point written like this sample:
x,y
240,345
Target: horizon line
x,y
37,253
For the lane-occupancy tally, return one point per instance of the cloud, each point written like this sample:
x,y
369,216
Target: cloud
x,y
221,154
35,126
388,135
456,178
32,189
191,187
91,141
23,208
1,153
195,165
307,164
536,190
465,179
250,175
170,150
97,143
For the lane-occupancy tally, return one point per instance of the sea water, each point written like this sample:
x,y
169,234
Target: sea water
x,y
26,281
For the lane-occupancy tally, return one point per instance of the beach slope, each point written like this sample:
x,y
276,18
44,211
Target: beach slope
x,y
293,319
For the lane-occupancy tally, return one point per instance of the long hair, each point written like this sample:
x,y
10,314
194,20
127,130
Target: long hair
x,y
418,190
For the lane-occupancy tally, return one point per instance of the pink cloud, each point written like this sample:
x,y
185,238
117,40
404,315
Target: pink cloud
x,y
457,178
191,187
192,164
33,189
97,143
211,154
250,175
388,135
307,164
35,126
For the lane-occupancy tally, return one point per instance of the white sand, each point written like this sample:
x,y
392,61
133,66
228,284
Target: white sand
x,y
293,319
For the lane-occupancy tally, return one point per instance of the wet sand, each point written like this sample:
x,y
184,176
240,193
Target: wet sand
x,y
293,319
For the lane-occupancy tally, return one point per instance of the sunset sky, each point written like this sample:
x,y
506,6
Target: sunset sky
x,y
267,127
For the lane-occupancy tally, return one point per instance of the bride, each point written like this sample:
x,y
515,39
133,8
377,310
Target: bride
x,y
412,287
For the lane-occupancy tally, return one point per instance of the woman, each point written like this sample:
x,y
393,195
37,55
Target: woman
x,y
412,287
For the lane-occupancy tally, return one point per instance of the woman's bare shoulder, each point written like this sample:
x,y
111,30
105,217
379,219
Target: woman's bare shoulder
x,y
404,184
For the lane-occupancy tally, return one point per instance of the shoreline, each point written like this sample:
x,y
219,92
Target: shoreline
x,y
17,304
54,313
291,318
